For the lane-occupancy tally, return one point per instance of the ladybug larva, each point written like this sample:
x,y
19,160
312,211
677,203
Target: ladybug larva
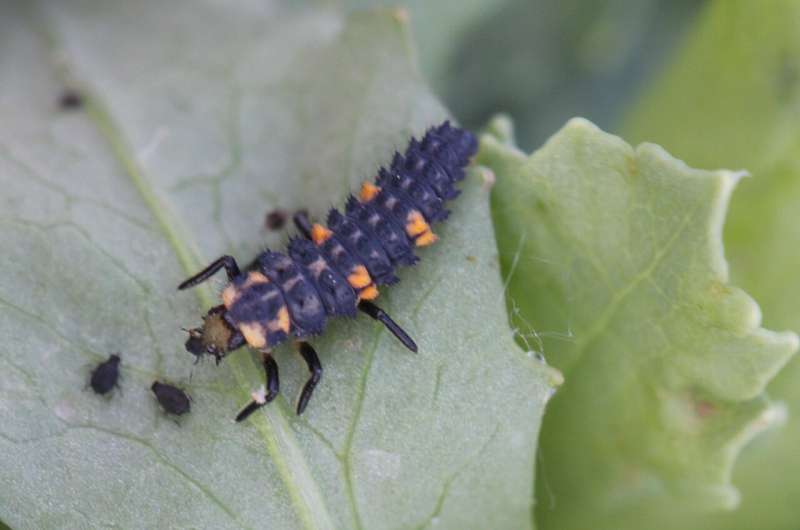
x,y
335,269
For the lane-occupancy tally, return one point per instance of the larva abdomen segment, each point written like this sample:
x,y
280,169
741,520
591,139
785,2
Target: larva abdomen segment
x,y
306,311
336,294
391,235
363,246
340,258
416,192
420,166
257,308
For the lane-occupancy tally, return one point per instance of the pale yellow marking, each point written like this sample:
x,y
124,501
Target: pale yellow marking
x,y
254,277
291,282
320,234
427,238
317,266
368,293
368,191
254,334
260,395
281,322
229,296
359,278
231,293
416,224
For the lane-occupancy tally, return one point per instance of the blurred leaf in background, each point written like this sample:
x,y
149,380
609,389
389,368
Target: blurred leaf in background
x,y
613,259
545,61
542,61
731,97
198,119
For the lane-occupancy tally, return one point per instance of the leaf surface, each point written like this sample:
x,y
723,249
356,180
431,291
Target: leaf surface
x,y
199,118
615,272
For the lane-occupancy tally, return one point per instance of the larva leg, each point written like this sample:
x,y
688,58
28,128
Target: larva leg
x,y
314,366
263,397
380,315
226,262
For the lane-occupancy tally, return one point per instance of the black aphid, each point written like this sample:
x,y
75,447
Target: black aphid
x,y
172,399
276,219
335,270
70,99
105,375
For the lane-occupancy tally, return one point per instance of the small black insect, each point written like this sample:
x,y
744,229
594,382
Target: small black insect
x,y
70,99
106,375
335,270
276,219
172,399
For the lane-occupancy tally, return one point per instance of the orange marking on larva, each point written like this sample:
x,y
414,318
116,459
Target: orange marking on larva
x,y
283,319
320,234
416,224
427,238
254,334
368,191
359,277
229,296
368,293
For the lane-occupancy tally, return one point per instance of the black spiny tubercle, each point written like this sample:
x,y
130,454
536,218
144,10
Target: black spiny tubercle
x,y
334,270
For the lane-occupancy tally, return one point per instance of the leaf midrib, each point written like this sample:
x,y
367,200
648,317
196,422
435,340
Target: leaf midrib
x,y
301,486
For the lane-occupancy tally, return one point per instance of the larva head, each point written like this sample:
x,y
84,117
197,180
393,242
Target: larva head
x,y
215,337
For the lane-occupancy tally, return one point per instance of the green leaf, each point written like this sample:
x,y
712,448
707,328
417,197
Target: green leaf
x,y
731,97
199,119
614,263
